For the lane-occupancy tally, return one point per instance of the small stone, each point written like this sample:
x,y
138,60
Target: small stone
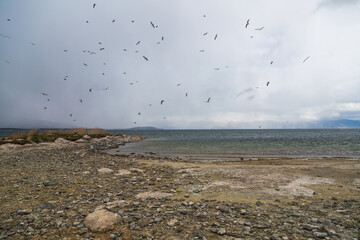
x,y
320,234
258,203
49,183
105,170
221,231
224,209
122,172
113,236
24,211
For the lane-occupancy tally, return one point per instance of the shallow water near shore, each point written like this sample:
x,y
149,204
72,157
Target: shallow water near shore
x,y
257,142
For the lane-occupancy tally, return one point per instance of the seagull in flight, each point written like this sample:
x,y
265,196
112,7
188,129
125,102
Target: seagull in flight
x,y
45,108
216,69
259,29
90,89
44,94
271,62
139,113
306,59
138,43
215,37
70,115
205,34
152,24
85,64
146,58
161,102
267,84
162,38
102,49
94,5
178,84
113,20
186,94
247,23
80,100
202,50
208,101
4,36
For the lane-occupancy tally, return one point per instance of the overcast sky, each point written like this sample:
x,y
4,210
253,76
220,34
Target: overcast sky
x,y
33,61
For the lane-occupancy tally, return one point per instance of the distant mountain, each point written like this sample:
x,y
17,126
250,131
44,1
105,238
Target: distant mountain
x,y
144,128
339,123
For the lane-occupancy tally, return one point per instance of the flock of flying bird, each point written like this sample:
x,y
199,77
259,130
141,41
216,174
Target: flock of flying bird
x,y
144,57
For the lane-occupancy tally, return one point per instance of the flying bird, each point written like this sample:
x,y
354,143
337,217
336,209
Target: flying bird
x,y
138,43
215,37
202,50
205,34
6,61
267,84
131,83
216,69
99,42
146,58
45,108
48,99
162,38
164,117
80,100
125,50
105,89
259,29
90,89
271,62
134,122
87,21
4,36
186,94
306,59
44,94
247,23
204,16
94,5
113,20
70,115
102,49
74,120
33,44
161,102
132,21
178,84
152,24
8,19
85,64
65,50
158,43
208,101
139,113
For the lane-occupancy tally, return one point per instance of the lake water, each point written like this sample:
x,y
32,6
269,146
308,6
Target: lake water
x,y
259,142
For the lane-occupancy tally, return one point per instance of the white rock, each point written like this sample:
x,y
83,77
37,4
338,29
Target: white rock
x,y
101,221
105,170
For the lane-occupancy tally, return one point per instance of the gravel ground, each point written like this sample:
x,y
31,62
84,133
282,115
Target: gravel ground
x,y
49,191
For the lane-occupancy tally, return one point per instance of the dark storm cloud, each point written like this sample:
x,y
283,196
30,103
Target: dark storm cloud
x,y
33,61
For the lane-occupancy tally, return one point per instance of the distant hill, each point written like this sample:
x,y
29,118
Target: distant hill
x,y
144,128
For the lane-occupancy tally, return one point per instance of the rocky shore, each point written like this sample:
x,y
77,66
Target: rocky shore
x,y
66,190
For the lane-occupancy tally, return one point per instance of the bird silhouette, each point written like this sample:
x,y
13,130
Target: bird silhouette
x,y
247,23
87,21
8,19
94,5
205,34
158,43
90,89
74,120
267,84
162,38
85,64
44,94
4,36
139,113
48,99
216,69
271,62
215,37
202,50
45,108
208,101
161,102
132,21
105,89
306,59
259,29
101,49
6,61
70,115
146,58
178,84
138,43
113,20
186,94
164,117
65,50
152,24
134,122
80,100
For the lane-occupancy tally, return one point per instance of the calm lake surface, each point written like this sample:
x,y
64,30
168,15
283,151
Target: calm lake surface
x,y
257,142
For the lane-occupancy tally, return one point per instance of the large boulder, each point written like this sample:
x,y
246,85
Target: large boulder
x,y
101,221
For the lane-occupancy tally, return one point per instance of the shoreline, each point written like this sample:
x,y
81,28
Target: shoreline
x,y
52,190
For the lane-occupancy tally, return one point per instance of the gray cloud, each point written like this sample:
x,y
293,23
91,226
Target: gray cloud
x,y
299,92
